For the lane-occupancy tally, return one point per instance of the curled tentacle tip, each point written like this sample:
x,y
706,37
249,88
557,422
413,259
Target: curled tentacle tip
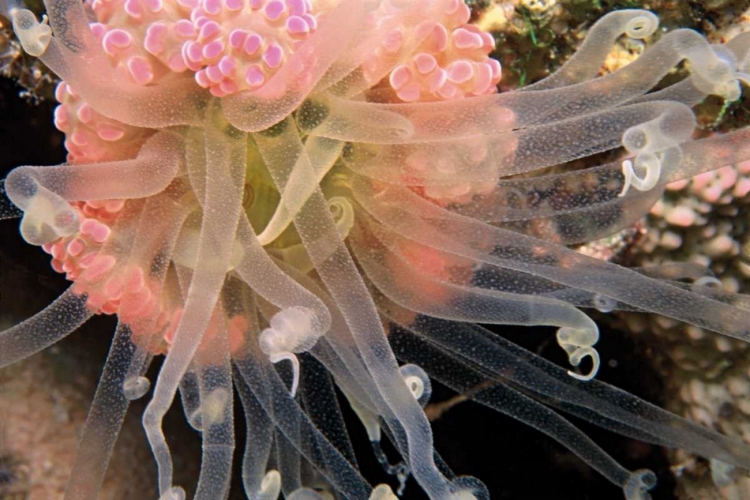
x,y
288,356
578,356
638,485
292,330
33,35
417,382
652,166
643,25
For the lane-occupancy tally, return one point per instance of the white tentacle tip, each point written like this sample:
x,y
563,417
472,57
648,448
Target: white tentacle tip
x,y
292,330
135,388
418,382
270,487
638,485
173,493
577,357
643,25
650,163
33,35
288,356
578,343
382,492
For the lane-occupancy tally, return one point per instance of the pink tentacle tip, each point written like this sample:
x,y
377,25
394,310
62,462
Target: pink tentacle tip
x,y
76,247
140,70
252,43
208,30
228,66
466,40
155,41
273,56
274,9
213,50
98,267
133,8
234,5
116,39
212,7
254,76
297,25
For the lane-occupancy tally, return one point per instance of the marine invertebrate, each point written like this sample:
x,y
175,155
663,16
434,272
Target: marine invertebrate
x,y
259,184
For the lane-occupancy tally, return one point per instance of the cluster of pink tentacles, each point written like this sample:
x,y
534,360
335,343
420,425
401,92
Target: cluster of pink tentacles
x,y
230,46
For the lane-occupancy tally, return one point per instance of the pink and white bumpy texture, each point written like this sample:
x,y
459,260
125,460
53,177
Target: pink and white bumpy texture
x,y
230,46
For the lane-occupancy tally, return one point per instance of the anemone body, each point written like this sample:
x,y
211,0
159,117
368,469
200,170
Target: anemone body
x,y
337,186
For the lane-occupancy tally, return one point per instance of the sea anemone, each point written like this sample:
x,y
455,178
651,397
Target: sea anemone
x,y
334,185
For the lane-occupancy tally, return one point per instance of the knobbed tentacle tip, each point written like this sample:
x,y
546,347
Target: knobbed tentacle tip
x,y
382,492
33,35
721,74
173,493
417,382
270,487
46,215
638,485
469,488
135,388
578,342
211,411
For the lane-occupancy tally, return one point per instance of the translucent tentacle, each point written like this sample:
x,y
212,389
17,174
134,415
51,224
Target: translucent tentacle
x,y
433,226
273,396
594,401
337,351
322,154
485,158
43,192
258,484
321,406
408,123
122,380
259,271
7,209
225,168
464,379
216,419
105,419
318,231
588,59
558,194
55,322
578,333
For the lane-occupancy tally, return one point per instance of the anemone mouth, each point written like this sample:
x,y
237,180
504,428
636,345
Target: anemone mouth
x,y
261,186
